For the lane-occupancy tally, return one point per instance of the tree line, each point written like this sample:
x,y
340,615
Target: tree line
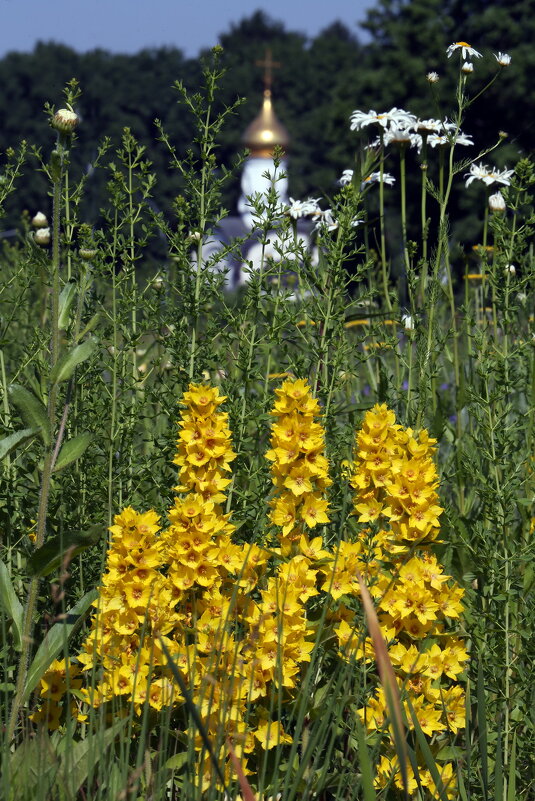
x,y
319,83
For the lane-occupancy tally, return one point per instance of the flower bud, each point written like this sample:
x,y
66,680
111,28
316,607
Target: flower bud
x,y
40,220
511,269
433,77
87,253
65,120
497,203
42,236
407,322
467,67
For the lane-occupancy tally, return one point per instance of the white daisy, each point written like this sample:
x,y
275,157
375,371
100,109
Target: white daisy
x,y
325,219
503,59
396,116
439,140
375,177
480,172
302,208
466,50
347,177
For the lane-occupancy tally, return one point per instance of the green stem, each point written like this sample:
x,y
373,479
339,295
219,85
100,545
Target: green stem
x,y
202,224
46,476
403,181
384,269
423,218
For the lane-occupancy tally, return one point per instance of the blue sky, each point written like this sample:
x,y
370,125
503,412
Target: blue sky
x,y
126,26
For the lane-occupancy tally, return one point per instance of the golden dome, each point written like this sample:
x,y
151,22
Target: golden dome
x,y
265,131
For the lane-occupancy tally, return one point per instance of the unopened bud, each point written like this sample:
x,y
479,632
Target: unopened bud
x,y
497,202
87,253
433,77
65,120
407,322
40,220
510,268
467,67
42,236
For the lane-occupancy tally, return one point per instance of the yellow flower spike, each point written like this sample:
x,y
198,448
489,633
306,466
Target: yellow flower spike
x,y
299,468
395,482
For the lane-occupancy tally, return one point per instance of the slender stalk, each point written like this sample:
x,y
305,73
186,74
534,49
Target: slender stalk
x,y
202,225
403,181
384,268
423,219
46,475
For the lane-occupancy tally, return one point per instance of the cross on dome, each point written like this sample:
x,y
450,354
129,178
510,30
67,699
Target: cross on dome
x,y
269,65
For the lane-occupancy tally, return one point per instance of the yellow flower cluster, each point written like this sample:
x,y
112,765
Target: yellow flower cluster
x,y
134,606
199,533
299,467
396,480
53,686
229,638
234,616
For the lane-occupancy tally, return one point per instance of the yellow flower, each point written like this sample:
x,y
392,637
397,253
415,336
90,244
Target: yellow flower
x,y
270,734
313,510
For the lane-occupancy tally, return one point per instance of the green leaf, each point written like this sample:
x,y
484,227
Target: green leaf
x,y
90,326
66,366
11,604
54,641
449,752
72,450
50,556
66,298
77,758
16,439
365,763
427,754
177,761
32,410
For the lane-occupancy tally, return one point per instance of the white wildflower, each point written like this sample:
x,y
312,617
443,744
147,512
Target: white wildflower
x,y
375,177
503,59
324,220
40,220
433,77
407,322
497,202
302,208
466,50
347,177
467,67
42,236
511,269
396,116
439,140
480,172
